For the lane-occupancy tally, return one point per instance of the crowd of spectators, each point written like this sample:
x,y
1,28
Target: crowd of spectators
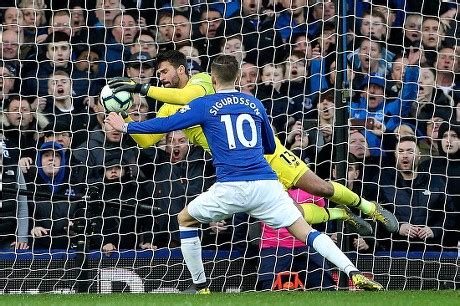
x,y
400,85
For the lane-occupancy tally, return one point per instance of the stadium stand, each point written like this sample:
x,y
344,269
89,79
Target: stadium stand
x,y
84,209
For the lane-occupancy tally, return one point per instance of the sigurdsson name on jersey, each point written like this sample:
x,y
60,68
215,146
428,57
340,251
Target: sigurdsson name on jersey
x,y
231,101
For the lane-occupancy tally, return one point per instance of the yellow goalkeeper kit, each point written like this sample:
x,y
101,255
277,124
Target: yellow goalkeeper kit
x,y
287,166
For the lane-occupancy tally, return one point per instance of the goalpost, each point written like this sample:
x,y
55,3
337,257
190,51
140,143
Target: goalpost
x,y
343,83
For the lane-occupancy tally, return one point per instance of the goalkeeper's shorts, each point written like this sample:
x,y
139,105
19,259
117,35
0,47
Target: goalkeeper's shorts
x,y
287,166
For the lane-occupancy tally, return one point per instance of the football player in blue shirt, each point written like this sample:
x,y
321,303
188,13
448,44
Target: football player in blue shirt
x,y
239,134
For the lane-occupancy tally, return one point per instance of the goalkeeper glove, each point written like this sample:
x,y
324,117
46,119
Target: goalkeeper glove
x,y
126,84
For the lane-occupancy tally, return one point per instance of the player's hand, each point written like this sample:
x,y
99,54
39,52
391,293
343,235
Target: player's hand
x,y
425,233
409,230
39,231
126,84
115,121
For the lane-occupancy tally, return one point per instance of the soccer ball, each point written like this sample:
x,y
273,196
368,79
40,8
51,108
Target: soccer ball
x,y
116,102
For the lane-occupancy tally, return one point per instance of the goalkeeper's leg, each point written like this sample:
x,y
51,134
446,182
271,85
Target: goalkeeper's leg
x,y
340,194
327,248
315,214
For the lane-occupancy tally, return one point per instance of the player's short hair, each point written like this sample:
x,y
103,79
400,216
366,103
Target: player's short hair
x,y
174,57
225,68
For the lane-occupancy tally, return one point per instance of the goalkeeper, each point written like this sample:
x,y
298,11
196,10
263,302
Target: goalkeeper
x,y
180,88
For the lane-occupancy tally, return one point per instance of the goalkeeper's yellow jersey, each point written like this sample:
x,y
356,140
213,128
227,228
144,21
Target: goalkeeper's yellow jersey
x,y
175,98
288,167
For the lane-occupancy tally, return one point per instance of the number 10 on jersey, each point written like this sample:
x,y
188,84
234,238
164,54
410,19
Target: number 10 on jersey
x,y
240,130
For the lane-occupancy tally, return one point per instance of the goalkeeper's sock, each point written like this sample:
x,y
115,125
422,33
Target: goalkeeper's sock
x,y
191,251
314,214
343,195
326,247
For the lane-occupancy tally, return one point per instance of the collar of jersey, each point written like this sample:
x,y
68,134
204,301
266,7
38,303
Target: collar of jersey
x,y
226,90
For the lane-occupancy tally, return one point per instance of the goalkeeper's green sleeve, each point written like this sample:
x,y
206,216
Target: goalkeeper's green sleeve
x,y
145,140
176,96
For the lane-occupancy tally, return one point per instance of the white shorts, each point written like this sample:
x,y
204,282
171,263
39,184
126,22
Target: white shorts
x,y
264,200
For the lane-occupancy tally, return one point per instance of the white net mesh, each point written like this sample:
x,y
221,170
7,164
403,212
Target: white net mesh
x,y
85,208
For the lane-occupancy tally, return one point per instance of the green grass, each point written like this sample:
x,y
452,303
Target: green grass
x,y
342,298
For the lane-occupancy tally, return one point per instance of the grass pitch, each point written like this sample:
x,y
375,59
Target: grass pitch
x,y
340,298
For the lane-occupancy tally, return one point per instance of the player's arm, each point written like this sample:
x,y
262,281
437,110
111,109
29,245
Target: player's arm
x,y
144,140
268,138
178,96
186,117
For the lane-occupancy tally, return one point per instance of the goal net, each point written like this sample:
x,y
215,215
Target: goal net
x,y
365,93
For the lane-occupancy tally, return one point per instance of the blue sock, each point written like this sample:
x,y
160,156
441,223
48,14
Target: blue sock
x,y
326,247
191,251
311,237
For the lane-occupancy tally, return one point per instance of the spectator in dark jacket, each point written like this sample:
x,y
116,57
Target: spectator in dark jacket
x,y
117,43
61,106
429,98
263,43
61,133
14,210
303,83
419,201
50,214
101,143
168,193
447,165
281,109
196,169
197,174
207,38
7,81
127,226
57,56
21,126
377,114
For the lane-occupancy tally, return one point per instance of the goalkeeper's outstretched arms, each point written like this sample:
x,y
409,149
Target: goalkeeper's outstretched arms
x,y
178,96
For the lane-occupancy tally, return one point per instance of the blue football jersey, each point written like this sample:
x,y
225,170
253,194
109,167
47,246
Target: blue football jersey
x,y
236,127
